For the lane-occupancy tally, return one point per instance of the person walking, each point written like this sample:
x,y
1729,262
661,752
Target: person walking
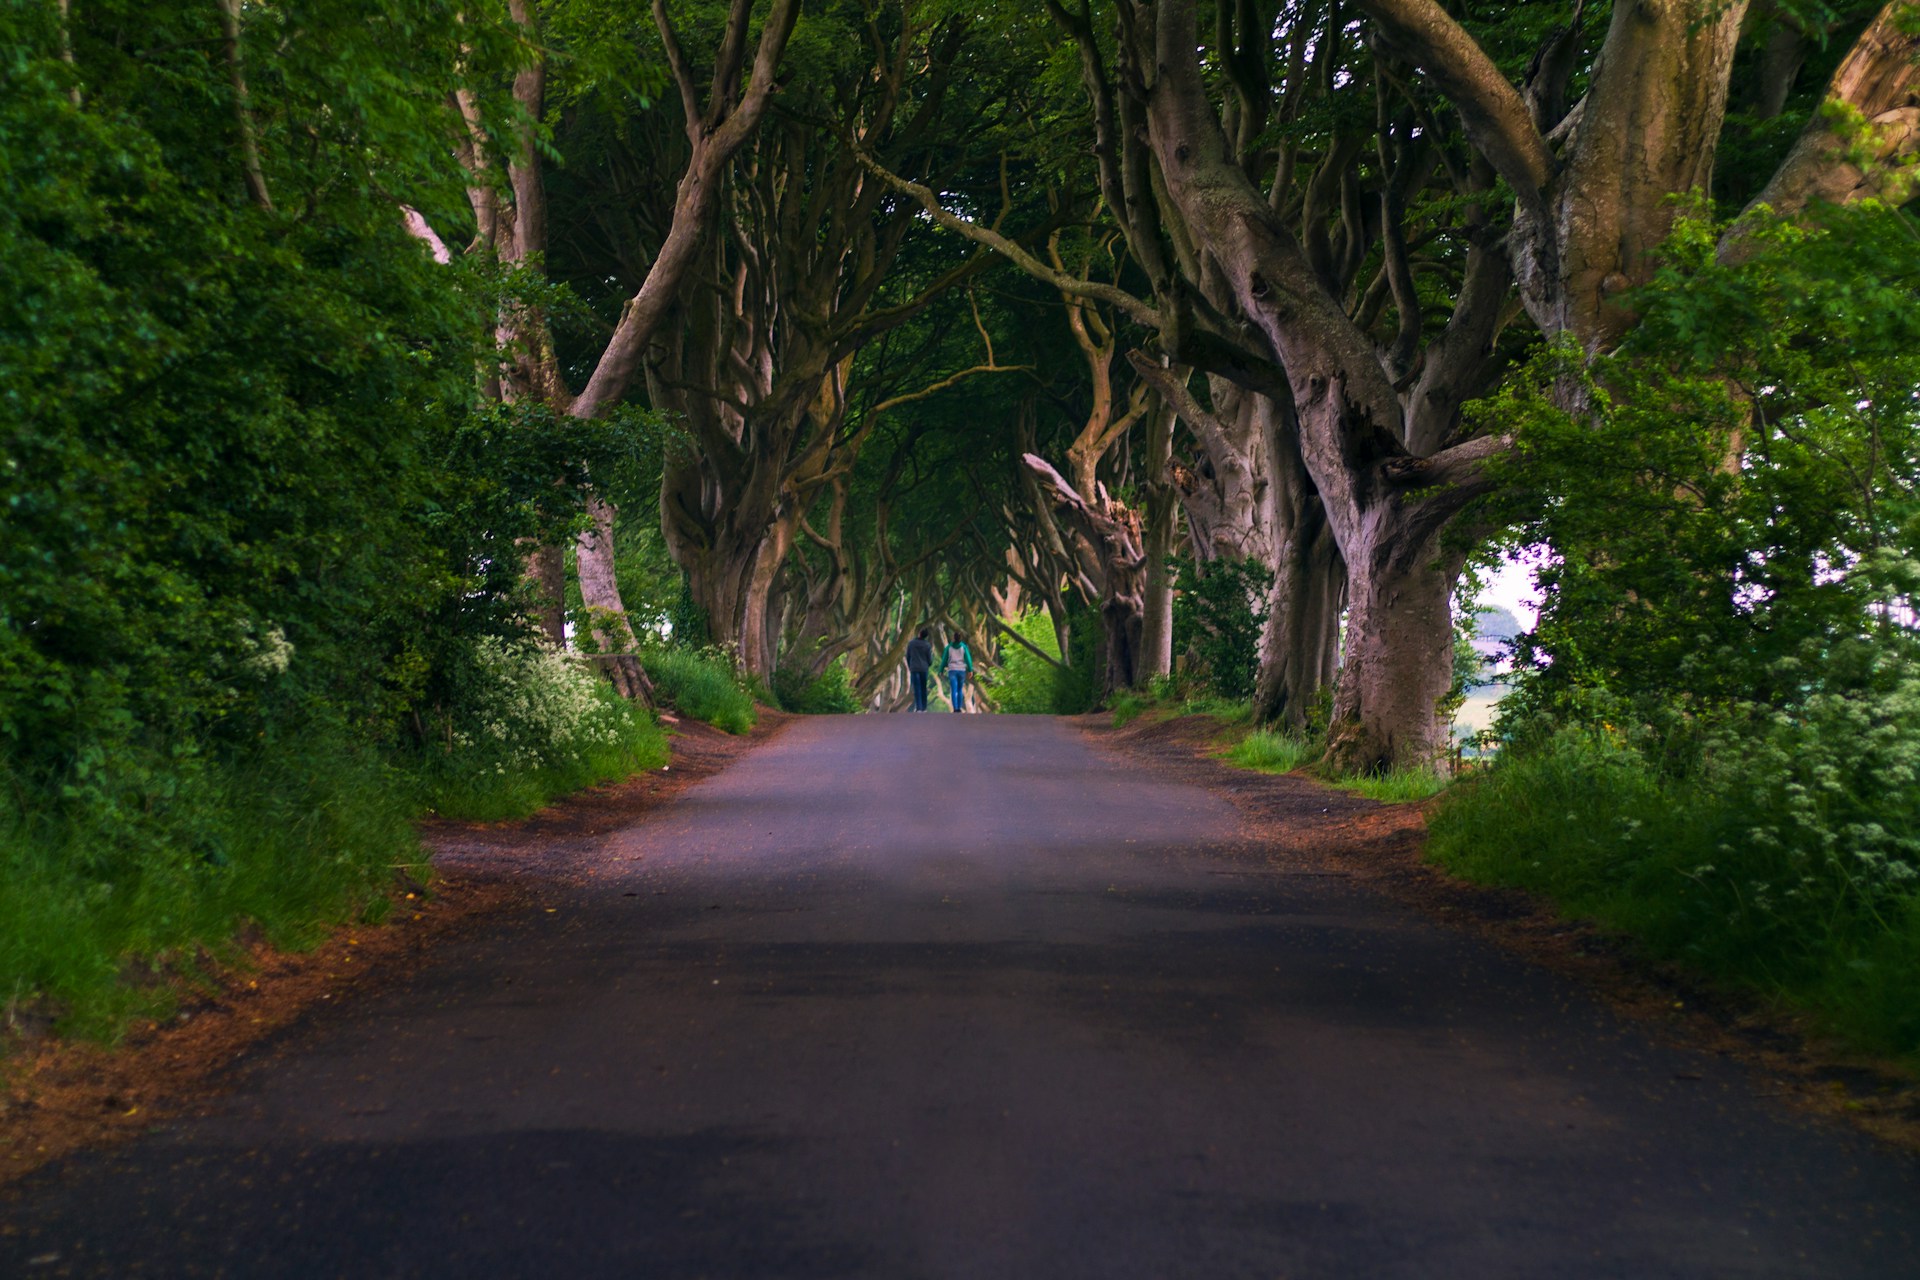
x,y
919,663
958,662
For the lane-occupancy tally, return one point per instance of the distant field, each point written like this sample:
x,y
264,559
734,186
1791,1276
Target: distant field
x,y
1476,713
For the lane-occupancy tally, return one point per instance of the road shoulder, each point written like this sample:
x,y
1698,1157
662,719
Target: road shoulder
x,y
59,1096
1299,821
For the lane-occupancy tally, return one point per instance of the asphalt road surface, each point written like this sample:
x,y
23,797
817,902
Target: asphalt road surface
x,y
942,996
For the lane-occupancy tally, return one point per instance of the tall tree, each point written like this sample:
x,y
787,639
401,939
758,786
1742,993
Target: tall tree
x,y
1595,181
1329,419
718,122
812,262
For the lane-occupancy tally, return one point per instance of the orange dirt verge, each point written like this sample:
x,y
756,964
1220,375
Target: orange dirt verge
x,y
59,1095
1385,846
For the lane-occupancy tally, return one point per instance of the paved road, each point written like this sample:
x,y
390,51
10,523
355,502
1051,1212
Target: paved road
x,y
902,997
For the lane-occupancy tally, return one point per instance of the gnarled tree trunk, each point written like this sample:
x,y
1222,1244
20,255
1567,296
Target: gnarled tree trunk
x,y
1114,531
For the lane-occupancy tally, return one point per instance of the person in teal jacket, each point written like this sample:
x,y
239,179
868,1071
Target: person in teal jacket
x,y
957,662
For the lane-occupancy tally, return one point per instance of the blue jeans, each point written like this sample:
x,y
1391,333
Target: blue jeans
x,y
957,689
919,681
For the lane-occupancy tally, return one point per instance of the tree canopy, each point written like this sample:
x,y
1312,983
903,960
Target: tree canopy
x,y
827,319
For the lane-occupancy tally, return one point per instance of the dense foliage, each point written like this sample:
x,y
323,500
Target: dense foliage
x,y
257,570
1035,680
1737,516
1217,619
1716,739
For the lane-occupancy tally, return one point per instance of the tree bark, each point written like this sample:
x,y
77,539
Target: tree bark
x,y
606,613
1254,499
254,175
1585,228
1115,532
1877,85
1161,525
1385,507
547,566
1399,661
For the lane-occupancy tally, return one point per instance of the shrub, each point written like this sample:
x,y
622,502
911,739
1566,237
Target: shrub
x,y
1217,618
1024,682
1782,858
536,724
1714,745
795,688
1027,684
702,683
126,881
256,518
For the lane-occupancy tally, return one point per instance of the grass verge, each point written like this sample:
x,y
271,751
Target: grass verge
x,y
1402,786
1681,867
701,685
624,740
116,897
1273,751
1269,752
103,902
1129,705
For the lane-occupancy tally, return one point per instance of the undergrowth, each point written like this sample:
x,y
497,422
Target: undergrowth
x,y
535,724
1276,751
121,878
702,684
1270,752
1754,870
1028,684
1172,696
106,896
796,689
1401,786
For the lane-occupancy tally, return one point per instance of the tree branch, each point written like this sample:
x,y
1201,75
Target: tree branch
x,y
1030,646
693,204
1496,116
256,177
420,229
934,388
677,62
1870,115
1174,392
1120,299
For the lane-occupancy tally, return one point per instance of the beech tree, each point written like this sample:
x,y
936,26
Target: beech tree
x,y
811,262
512,218
1118,553
1347,506
1595,180
1204,147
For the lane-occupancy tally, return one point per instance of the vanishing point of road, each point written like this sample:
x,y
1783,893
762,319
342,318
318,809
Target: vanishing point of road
x,y
944,996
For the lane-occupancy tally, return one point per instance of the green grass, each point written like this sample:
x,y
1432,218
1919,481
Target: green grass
x,y
829,693
703,686
1275,751
1677,865
1402,786
1164,698
110,897
490,791
103,896
1271,752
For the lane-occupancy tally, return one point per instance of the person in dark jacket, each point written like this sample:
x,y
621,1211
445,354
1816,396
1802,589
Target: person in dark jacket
x,y
919,662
